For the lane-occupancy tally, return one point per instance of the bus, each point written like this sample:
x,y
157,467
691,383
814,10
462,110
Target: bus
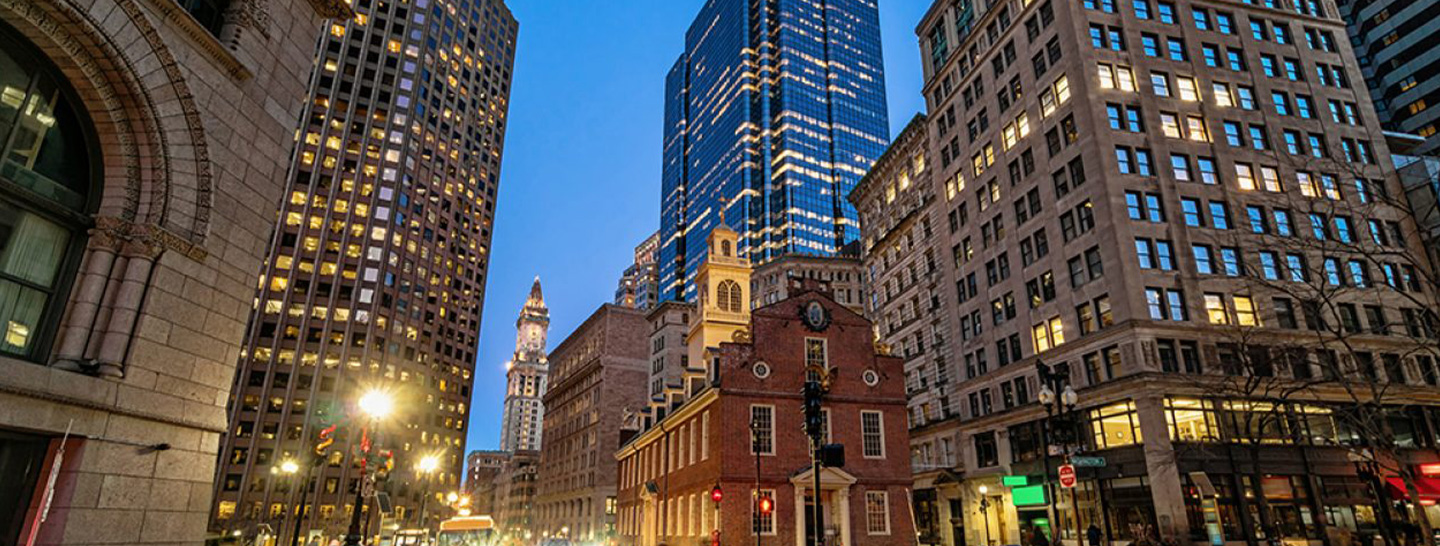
x,y
466,531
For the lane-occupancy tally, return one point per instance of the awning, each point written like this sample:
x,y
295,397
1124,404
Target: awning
x,y
1429,488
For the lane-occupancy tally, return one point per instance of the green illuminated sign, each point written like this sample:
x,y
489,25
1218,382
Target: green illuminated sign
x,y
1027,496
1015,481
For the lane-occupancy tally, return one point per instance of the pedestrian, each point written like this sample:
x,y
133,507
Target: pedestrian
x,y
1039,538
1093,535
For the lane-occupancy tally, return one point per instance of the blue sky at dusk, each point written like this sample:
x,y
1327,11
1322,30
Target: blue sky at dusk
x,y
580,183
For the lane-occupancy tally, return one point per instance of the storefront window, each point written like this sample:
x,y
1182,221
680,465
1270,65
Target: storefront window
x,y
45,176
1115,425
1289,500
1191,420
1131,508
1255,422
1227,507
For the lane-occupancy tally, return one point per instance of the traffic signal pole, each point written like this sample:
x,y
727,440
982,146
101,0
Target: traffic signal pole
x,y
812,398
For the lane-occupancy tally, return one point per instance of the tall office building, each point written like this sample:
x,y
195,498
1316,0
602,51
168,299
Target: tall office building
x,y
1170,224
773,113
639,286
376,271
526,377
1395,43
142,153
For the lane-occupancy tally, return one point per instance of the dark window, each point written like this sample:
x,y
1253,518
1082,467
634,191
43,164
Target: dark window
x,y
45,187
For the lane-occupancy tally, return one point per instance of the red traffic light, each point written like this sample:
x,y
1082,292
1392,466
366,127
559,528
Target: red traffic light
x,y
716,494
766,505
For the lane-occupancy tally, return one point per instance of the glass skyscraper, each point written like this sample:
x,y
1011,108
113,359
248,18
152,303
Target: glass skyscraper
x,y
774,112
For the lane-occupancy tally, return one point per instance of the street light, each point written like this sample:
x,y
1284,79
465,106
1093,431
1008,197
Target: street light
x,y
427,466
984,507
374,404
1057,408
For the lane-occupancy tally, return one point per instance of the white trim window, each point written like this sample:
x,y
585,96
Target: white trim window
x,y
817,353
763,525
877,512
872,433
763,417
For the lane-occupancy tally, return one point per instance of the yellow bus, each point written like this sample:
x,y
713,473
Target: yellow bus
x,y
466,531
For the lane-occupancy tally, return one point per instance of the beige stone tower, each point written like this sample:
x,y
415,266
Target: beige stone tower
x,y
723,282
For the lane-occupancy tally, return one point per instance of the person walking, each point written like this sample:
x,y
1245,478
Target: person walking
x,y
1093,535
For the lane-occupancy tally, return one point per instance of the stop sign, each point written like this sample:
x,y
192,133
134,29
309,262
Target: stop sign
x,y
1067,476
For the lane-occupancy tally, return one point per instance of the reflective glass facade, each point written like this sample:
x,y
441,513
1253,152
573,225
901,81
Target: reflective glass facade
x,y
775,110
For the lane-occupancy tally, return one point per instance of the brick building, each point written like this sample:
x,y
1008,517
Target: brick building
x,y
144,148
1189,209
667,471
597,377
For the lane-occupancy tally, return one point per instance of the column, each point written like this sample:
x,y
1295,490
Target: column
x,y
1163,469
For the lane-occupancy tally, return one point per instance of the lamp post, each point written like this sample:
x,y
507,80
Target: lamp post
x,y
425,468
1058,407
375,405
984,515
290,468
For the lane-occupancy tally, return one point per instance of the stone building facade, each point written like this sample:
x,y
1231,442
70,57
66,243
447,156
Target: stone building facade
x,y
145,148
515,490
667,472
527,377
669,359
1222,246
597,378
775,280
481,470
903,247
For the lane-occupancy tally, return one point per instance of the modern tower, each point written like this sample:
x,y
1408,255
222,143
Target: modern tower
x,y
376,270
1395,43
526,376
773,112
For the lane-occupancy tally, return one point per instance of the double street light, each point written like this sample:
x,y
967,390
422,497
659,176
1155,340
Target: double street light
x,y
1058,398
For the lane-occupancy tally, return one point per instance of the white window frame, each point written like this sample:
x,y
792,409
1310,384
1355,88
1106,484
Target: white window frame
x,y
769,518
879,419
771,408
884,497
825,346
705,435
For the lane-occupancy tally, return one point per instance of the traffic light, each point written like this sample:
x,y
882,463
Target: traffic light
x,y
814,422
767,505
716,494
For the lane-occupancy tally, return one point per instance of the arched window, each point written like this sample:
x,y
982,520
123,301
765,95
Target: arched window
x,y
46,175
727,296
725,248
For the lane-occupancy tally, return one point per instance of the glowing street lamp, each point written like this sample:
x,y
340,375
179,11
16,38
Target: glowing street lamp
x,y
376,404
427,466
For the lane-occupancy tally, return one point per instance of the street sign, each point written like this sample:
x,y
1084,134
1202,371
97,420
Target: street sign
x,y
1067,476
1088,462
